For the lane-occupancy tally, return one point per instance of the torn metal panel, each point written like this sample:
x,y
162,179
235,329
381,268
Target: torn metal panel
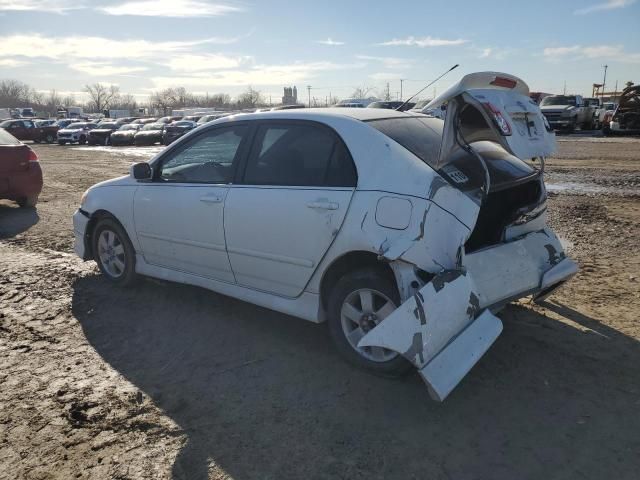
x,y
423,325
438,332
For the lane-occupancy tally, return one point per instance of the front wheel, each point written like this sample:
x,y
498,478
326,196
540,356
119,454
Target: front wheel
x,y
359,301
113,252
61,142
82,140
50,138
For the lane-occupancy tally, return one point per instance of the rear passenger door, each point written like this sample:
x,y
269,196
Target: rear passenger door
x,y
288,206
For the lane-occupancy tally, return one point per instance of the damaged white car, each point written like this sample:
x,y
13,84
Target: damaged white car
x,y
405,233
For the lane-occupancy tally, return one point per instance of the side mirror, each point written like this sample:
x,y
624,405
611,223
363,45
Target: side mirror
x,y
141,171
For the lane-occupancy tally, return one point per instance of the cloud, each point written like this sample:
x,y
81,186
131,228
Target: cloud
x,y
95,48
492,53
330,41
170,8
12,62
255,75
388,62
98,69
606,52
197,63
385,76
52,6
608,5
423,42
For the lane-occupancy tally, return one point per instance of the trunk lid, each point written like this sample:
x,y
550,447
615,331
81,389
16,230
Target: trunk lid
x,y
511,118
14,155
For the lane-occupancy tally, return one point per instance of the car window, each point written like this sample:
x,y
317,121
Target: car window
x,y
207,158
414,134
299,155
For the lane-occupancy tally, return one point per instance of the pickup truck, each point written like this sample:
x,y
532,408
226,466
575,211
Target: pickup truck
x,y
26,129
566,112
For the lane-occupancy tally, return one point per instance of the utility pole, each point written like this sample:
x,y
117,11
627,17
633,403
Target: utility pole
x,y
604,81
309,93
615,94
564,92
401,81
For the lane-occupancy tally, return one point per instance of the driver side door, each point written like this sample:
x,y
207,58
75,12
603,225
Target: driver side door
x,y
179,214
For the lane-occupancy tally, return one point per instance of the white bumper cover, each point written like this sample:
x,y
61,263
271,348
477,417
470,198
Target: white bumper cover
x,y
80,221
447,325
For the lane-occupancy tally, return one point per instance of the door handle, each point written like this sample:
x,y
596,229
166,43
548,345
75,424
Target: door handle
x,y
211,199
323,205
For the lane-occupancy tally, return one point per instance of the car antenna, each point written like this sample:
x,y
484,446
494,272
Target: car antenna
x,y
417,93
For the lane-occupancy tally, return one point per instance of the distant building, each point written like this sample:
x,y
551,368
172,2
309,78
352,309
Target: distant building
x,y
290,96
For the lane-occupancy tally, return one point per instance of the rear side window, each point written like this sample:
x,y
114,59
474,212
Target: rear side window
x,y
413,134
7,139
299,155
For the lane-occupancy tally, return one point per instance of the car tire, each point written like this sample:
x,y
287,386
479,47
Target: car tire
x,y
107,141
82,140
28,202
113,252
348,292
60,142
50,138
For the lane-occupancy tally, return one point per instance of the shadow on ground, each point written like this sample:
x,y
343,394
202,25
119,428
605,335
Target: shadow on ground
x,y
15,220
263,395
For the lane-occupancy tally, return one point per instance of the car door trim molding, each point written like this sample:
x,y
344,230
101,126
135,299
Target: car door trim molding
x,y
301,262
191,243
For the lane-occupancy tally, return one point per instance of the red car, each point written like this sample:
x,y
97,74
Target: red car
x,y
26,129
20,172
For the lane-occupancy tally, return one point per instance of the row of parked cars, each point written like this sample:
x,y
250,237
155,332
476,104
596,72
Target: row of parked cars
x,y
121,131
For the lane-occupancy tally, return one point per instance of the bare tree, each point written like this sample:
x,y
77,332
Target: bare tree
x,y
361,92
162,99
101,96
14,93
250,98
125,102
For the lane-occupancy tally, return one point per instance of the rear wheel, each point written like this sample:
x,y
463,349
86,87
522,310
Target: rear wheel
x,y
82,140
28,202
113,252
61,142
359,301
50,138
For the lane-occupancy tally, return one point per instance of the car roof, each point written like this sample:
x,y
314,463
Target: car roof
x,y
362,114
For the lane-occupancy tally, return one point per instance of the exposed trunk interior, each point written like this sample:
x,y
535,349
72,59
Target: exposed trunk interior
x,y
500,209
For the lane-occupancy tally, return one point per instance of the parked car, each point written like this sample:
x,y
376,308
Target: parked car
x,y
626,119
124,135
20,172
101,135
606,114
387,225
567,112
77,132
26,129
193,118
149,134
420,104
44,123
596,107
391,105
175,130
144,121
63,123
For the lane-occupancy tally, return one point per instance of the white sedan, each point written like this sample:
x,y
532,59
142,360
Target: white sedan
x,y
404,233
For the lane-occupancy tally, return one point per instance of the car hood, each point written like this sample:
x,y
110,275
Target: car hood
x,y
125,133
149,132
125,180
101,130
67,130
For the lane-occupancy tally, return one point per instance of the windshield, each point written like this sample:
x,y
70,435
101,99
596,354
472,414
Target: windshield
x,y
153,126
62,123
559,100
182,124
111,126
610,106
128,127
77,126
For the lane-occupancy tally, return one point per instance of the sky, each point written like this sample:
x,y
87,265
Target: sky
x,y
333,46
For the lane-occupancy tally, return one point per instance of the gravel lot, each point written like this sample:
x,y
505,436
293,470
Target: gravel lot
x,y
169,381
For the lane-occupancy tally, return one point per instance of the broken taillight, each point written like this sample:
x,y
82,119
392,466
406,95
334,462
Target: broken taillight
x,y
498,119
504,82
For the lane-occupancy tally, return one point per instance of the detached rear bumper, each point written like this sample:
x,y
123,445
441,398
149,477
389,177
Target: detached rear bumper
x,y
448,324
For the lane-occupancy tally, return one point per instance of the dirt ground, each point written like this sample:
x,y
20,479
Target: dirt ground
x,y
169,381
